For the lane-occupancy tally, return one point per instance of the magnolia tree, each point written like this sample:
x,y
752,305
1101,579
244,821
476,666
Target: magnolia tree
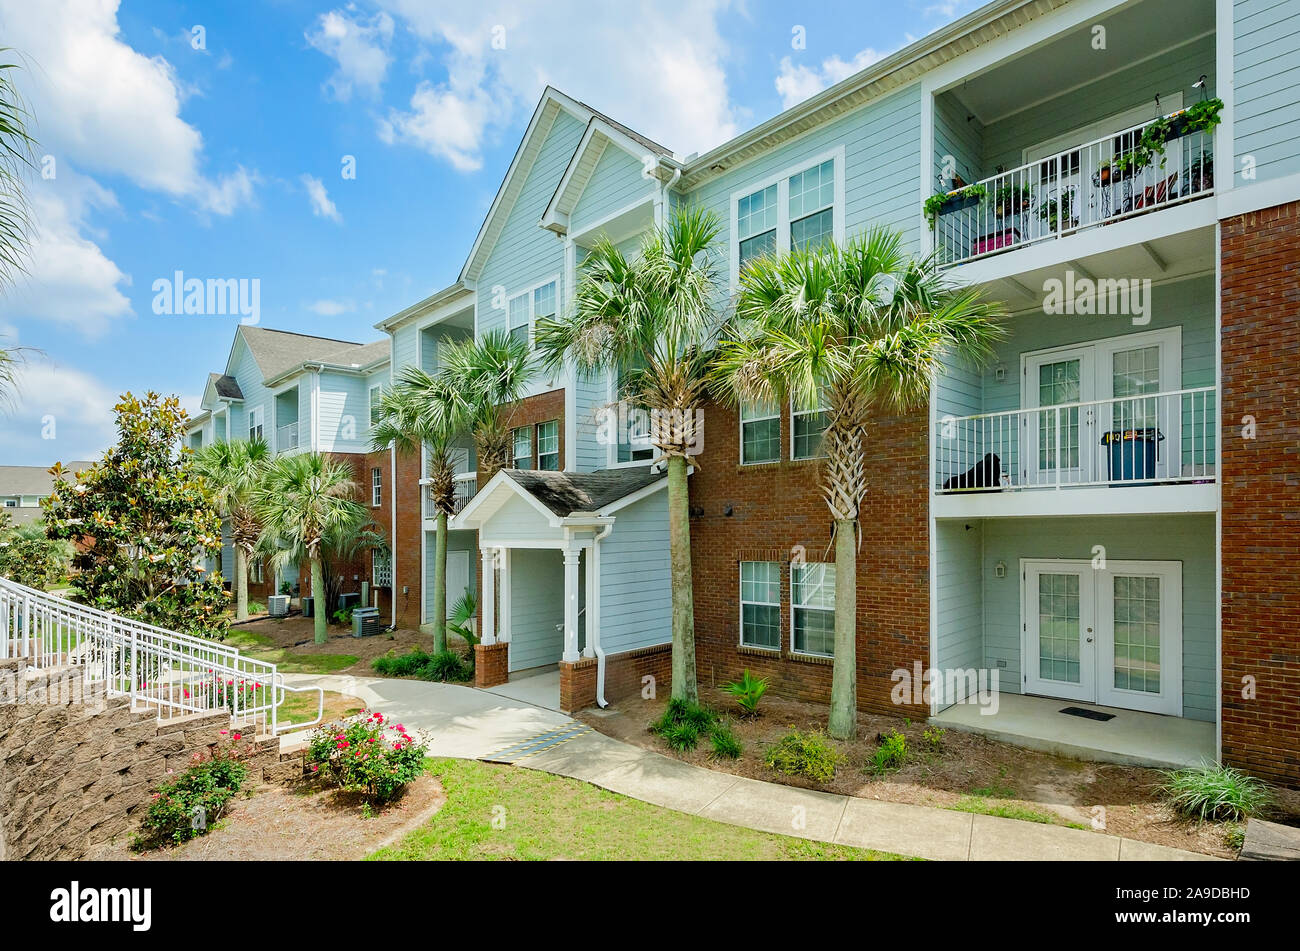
x,y
146,522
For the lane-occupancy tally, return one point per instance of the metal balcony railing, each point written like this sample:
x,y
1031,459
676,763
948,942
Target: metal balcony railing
x,y
286,437
1133,440
1085,186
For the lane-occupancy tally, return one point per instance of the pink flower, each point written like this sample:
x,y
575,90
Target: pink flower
x,y
237,736
222,732
315,768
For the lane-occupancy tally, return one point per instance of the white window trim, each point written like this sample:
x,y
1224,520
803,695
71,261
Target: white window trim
x,y
532,304
611,451
740,434
803,412
376,486
371,402
740,626
257,420
537,444
793,606
782,181
532,445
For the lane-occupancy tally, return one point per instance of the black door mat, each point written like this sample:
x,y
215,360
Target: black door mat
x,y
1087,714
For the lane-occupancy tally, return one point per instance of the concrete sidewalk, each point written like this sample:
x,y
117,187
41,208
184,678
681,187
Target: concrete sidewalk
x,y
466,723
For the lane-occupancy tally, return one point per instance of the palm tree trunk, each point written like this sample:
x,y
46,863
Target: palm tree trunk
x,y
679,547
440,584
844,674
319,601
241,584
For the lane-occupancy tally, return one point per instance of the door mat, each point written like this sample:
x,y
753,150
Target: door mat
x,y
1087,714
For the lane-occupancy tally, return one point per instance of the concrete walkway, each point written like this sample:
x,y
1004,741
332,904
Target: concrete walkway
x,y
466,723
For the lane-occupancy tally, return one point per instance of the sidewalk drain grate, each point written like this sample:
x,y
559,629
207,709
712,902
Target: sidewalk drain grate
x,y
1087,714
540,743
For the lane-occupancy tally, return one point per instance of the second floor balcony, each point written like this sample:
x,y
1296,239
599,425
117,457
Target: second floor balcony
x,y
286,437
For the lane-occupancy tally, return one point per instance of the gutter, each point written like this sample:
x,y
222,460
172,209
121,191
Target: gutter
x,y
594,628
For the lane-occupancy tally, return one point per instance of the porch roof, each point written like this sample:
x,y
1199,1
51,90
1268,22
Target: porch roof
x,y
565,493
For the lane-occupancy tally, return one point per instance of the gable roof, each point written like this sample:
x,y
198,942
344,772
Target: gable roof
x,y
279,352
224,386
566,493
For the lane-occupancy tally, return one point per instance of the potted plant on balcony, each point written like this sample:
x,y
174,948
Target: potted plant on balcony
x,y
955,200
1053,211
1201,173
1011,200
1202,116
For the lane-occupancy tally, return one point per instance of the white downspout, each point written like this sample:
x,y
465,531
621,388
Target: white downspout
x,y
594,628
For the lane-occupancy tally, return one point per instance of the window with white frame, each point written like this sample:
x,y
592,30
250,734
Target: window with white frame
x,y
255,423
634,435
812,604
524,310
376,395
376,486
518,315
11,503
548,445
803,207
812,206
756,224
806,429
258,571
760,604
381,568
543,302
522,439
760,433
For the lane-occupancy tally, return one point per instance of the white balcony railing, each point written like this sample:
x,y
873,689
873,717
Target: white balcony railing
x,y
286,437
1136,440
466,485
1071,191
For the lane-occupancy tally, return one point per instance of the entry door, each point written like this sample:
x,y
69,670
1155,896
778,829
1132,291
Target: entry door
x,y
1132,372
1059,443
1111,636
457,577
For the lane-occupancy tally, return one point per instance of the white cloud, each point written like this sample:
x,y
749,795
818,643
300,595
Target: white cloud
x,y
321,206
359,47
56,401
331,308
106,107
68,279
796,83
656,65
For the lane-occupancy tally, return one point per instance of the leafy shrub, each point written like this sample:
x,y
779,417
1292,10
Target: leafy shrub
x,y
343,616
367,756
186,807
256,607
1215,793
725,744
684,711
890,754
681,737
747,691
809,754
934,736
444,666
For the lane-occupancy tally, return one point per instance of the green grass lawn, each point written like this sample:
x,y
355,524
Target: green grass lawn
x,y
260,647
985,803
507,812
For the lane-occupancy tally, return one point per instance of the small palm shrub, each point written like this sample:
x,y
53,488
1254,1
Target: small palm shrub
x,y
189,805
682,724
682,737
725,744
1215,793
366,755
890,754
809,754
400,665
444,666
747,691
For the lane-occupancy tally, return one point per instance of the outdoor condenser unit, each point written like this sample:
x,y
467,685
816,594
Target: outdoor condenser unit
x,y
277,605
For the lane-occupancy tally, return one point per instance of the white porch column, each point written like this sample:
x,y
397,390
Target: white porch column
x,y
487,610
589,649
571,604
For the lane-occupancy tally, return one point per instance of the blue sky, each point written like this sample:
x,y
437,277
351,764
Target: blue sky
x,y
210,138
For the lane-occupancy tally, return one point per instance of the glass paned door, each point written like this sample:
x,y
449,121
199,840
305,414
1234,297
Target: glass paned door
x,y
1135,376
1059,621
1059,440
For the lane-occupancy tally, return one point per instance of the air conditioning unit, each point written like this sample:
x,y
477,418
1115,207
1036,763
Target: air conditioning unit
x,y
365,622
307,610
277,605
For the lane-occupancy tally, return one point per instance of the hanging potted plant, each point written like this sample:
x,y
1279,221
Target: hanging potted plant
x,y
955,200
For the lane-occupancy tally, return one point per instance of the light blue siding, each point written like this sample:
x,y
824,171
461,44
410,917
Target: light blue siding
x,y
959,600
536,607
456,541
590,397
518,520
344,410
635,583
1266,75
957,137
616,182
1188,539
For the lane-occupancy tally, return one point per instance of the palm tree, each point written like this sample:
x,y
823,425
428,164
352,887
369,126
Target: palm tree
x,y
486,378
234,470
852,329
650,321
15,214
304,502
422,410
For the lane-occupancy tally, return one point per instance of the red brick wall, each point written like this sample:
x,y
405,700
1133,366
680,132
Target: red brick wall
x,y
1261,491
406,546
539,409
623,676
778,506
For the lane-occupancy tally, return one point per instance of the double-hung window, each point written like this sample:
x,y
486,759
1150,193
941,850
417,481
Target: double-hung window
x,y
524,310
255,420
520,323
543,302
760,604
376,395
376,486
760,433
812,603
807,425
802,207
548,445
635,439
523,443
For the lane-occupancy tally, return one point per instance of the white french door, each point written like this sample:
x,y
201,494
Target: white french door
x,y
1111,636
1058,443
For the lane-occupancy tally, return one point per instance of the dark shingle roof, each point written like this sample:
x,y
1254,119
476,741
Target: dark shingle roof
x,y
278,351
226,385
567,492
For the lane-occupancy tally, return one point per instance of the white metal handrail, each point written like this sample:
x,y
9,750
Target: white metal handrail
x,y
171,673
1062,446
1070,191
